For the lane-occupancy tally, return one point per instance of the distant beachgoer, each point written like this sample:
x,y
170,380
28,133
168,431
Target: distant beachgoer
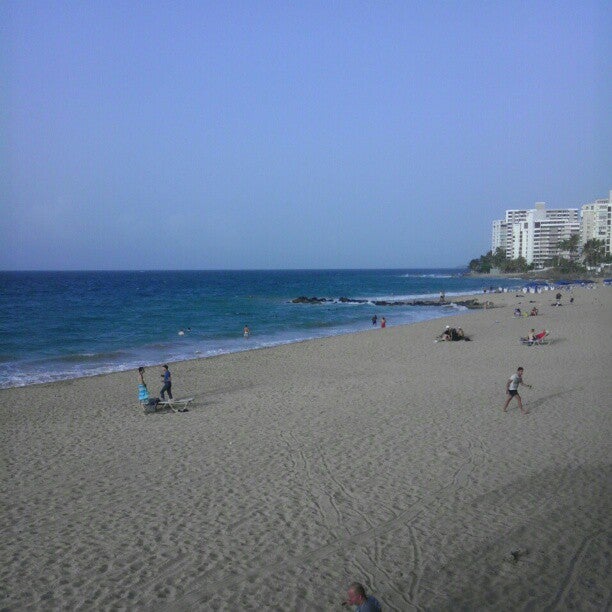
x,y
246,332
517,312
531,335
445,336
181,332
442,296
512,389
534,312
460,334
374,319
167,376
356,596
143,392
572,300
383,322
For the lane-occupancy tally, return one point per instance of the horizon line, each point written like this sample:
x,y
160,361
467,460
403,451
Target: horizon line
x,y
332,269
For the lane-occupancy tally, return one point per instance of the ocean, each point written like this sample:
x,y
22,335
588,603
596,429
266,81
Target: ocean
x,y
62,325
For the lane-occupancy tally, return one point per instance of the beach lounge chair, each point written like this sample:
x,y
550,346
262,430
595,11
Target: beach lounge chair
x,y
152,404
148,403
176,405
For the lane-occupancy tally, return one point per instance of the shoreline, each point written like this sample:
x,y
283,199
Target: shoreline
x,y
378,456
465,298
80,354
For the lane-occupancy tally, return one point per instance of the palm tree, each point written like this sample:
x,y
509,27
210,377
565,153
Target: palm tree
x,y
594,252
570,245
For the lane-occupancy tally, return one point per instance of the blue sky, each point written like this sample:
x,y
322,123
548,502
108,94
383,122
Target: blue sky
x,y
347,134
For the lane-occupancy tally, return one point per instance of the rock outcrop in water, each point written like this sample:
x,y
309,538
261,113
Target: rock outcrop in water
x,y
471,303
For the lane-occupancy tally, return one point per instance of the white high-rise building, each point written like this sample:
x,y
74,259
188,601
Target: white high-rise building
x,y
503,231
596,218
499,235
535,233
545,229
515,221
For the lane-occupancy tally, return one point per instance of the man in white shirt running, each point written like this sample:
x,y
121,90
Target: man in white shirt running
x,y
512,389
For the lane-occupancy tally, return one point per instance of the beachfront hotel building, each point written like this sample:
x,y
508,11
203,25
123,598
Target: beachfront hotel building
x,y
596,218
504,231
534,234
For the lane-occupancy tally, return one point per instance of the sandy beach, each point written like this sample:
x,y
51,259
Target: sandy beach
x,y
381,457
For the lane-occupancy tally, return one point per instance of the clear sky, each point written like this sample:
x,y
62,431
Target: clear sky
x,y
314,134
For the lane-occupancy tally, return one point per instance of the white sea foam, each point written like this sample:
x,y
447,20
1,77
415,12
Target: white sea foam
x,y
415,296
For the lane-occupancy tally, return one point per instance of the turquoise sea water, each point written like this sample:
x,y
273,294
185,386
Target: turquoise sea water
x,y
60,325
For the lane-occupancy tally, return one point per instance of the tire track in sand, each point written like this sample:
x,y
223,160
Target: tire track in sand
x,y
570,575
363,537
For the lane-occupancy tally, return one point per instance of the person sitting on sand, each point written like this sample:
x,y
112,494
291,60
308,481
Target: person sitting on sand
x,y
460,334
534,312
356,596
531,335
517,312
445,336
512,389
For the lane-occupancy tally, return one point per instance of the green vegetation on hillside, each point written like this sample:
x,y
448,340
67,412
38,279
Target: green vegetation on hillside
x,y
485,263
593,254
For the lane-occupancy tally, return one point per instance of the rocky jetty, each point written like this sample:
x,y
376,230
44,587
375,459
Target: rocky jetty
x,y
312,300
471,303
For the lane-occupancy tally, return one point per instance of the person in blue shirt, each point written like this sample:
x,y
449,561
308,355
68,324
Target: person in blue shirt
x,y
167,376
356,596
143,392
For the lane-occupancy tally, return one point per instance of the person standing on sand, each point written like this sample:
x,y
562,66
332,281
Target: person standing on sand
x,y
512,389
167,376
143,392
356,596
